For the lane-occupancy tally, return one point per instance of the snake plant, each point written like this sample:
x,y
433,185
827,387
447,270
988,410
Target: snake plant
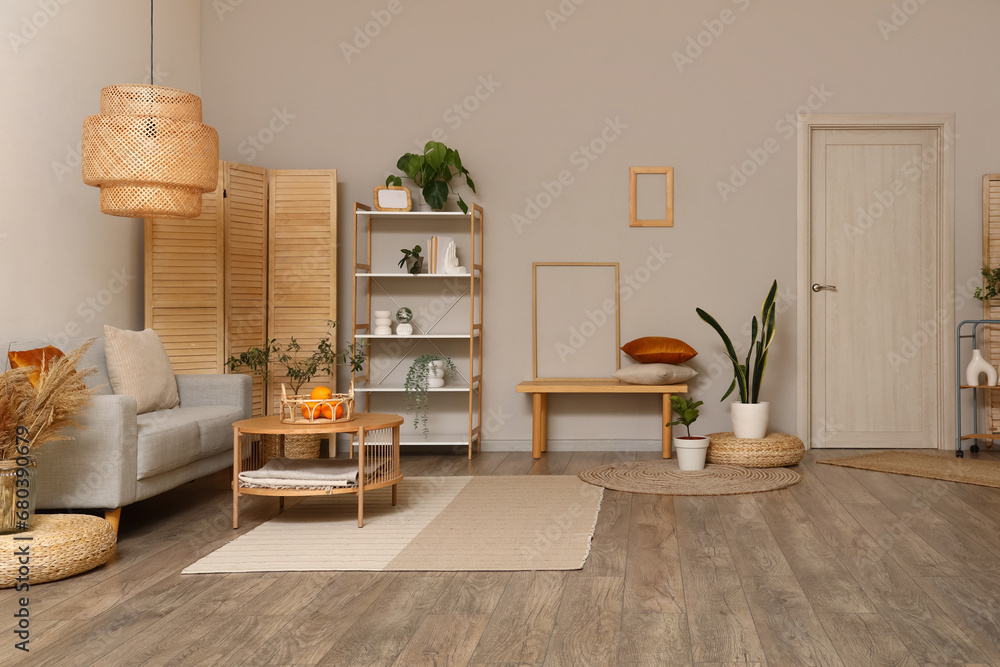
x,y
747,377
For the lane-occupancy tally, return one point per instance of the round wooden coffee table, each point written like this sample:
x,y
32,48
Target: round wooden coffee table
x,y
378,456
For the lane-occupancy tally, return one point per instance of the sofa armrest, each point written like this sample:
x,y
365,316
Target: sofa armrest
x,y
97,468
199,390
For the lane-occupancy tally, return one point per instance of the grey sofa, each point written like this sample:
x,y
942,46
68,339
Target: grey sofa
x,y
118,458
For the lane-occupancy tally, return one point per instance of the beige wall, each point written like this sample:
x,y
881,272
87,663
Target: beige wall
x,y
67,268
557,85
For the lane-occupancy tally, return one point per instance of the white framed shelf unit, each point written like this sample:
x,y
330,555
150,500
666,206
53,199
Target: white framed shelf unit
x,y
448,320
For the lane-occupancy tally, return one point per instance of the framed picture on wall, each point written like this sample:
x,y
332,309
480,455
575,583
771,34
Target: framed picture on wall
x,y
651,196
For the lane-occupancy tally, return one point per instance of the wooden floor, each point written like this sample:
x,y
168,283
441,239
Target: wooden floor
x,y
846,568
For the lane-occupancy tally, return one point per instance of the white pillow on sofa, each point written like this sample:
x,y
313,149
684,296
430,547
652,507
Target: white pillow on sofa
x,y
655,374
138,366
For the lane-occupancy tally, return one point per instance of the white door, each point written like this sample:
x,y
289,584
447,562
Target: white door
x,y
876,327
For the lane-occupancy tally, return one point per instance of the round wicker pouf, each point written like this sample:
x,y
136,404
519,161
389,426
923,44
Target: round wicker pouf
x,y
774,450
61,545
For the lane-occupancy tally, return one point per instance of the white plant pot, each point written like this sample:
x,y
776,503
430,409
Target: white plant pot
x,y
691,451
750,419
435,374
979,366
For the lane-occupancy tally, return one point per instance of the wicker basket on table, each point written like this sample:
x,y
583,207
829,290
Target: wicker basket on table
x,y
306,446
774,450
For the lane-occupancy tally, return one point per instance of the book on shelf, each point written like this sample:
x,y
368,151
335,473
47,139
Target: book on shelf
x,y
437,251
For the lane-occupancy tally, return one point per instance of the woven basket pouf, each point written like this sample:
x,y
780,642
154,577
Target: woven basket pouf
x,y
774,450
61,545
303,446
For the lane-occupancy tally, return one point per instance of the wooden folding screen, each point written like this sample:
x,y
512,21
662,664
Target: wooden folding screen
x,y
302,254
991,308
185,285
246,264
245,270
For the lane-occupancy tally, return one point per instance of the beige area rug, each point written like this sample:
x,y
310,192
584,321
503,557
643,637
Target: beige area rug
x,y
439,524
663,477
931,466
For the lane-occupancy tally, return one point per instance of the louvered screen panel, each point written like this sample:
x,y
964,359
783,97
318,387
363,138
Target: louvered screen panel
x,y
246,264
185,286
302,255
991,309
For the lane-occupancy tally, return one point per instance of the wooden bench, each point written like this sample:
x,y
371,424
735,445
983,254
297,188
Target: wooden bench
x,y
540,390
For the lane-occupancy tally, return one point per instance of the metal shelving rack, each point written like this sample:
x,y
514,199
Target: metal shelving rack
x,y
960,369
368,276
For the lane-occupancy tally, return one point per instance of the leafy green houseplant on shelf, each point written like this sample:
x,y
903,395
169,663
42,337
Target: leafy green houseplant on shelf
x,y
412,259
691,449
991,284
433,173
749,373
419,379
300,368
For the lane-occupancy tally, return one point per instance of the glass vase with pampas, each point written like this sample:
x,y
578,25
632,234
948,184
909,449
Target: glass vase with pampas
x,y
31,414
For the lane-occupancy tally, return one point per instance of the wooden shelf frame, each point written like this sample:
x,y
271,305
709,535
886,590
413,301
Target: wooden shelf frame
x,y
367,279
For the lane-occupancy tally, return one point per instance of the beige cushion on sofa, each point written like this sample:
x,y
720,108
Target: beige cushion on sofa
x,y
138,366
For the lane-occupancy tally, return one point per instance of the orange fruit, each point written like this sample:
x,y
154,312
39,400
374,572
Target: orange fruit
x,y
330,410
310,410
321,393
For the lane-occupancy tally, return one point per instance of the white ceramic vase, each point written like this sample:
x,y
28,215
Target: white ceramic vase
x,y
750,419
404,329
690,452
435,374
383,325
977,367
417,201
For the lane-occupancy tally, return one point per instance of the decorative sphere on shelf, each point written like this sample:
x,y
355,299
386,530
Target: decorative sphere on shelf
x,y
404,315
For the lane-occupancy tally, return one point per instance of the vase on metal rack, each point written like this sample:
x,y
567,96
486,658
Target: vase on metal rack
x,y
978,366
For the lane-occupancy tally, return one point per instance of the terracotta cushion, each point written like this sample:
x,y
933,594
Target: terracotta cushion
x,y
659,350
39,358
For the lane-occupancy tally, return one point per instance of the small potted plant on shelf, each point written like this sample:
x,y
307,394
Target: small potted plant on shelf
x,y
412,259
691,449
749,415
427,371
432,173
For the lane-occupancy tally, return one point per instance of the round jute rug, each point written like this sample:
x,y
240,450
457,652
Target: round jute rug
x,y
663,478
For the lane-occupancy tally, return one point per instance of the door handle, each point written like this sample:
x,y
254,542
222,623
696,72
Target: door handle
x,y
819,288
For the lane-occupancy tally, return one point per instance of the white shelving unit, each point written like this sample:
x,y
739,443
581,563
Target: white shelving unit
x,y
448,319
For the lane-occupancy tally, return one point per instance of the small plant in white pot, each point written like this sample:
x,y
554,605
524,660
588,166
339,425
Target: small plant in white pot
x,y
750,414
691,449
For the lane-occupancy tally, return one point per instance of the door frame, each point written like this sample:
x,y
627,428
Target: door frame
x,y
944,126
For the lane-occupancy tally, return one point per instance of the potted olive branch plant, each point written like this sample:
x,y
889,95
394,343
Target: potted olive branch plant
x,y
991,284
419,380
691,449
432,172
299,369
749,415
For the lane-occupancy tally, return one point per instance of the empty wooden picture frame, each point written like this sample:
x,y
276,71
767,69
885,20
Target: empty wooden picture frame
x,y
575,323
392,198
648,187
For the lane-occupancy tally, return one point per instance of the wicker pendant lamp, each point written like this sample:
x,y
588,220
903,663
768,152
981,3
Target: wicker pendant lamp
x,y
148,150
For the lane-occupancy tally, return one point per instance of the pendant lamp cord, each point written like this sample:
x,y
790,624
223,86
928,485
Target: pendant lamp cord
x,y
152,82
